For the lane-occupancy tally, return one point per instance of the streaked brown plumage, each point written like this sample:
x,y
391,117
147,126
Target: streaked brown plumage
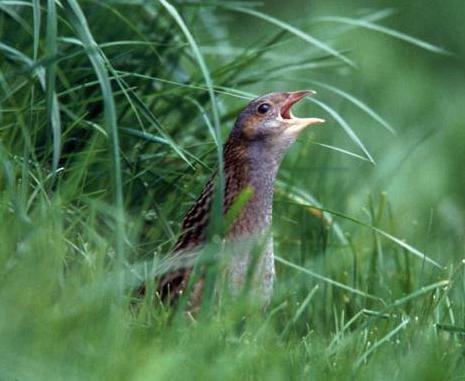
x,y
263,132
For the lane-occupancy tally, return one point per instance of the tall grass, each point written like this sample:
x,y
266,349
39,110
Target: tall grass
x,y
112,118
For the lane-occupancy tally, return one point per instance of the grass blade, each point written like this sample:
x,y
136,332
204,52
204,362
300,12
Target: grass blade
x,y
36,18
341,150
143,135
451,329
297,32
16,3
382,29
9,9
301,197
328,280
16,55
137,104
53,113
359,104
79,23
203,67
398,241
300,310
345,126
380,342
218,201
135,100
419,292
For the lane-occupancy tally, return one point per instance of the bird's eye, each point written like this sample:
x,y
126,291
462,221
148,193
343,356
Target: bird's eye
x,y
264,108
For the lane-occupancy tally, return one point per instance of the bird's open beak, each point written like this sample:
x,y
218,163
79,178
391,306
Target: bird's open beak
x,y
296,124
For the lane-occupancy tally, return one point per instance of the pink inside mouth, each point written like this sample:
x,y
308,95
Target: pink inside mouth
x,y
291,100
286,111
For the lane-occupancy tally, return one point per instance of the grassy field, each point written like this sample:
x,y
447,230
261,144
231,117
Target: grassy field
x,y
112,115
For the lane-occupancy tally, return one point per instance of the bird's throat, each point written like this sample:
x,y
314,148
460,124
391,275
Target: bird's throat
x,y
248,168
252,167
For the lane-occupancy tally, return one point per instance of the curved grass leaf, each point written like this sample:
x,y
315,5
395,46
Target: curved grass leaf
x,y
421,291
297,32
36,18
219,189
53,112
9,9
328,280
130,24
138,104
341,150
357,103
79,23
18,3
345,126
16,55
301,309
302,197
396,240
380,342
203,112
382,29
450,328
206,74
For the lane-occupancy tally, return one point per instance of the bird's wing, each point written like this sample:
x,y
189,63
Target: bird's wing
x,y
193,235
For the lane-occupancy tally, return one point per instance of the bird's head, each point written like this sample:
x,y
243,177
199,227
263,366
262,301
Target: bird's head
x,y
269,120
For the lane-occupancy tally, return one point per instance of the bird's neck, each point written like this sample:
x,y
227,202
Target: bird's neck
x,y
253,166
247,166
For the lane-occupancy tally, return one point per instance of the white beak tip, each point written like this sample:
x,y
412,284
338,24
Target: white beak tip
x,y
310,121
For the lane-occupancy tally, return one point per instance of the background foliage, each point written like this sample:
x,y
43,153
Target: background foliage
x,y
111,119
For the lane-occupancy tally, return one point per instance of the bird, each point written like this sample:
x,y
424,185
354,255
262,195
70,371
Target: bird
x,y
252,154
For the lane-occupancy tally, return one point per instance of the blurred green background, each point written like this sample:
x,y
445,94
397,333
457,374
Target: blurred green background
x,y
106,139
420,94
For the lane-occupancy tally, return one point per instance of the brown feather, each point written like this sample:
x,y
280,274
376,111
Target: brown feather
x,y
195,222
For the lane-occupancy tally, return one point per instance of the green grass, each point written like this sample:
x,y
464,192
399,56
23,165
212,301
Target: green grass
x,y
112,116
